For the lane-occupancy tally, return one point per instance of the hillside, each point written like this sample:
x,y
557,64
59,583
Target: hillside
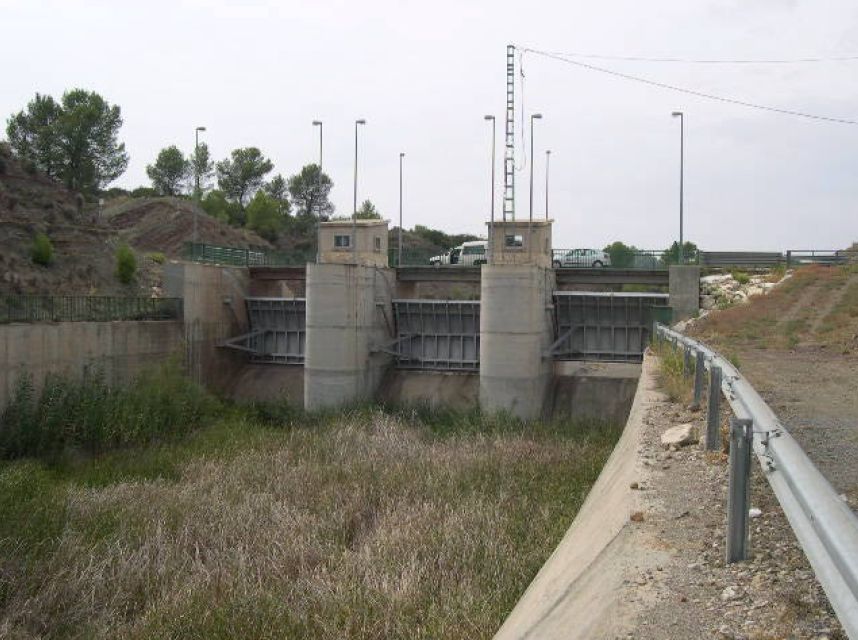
x,y
85,242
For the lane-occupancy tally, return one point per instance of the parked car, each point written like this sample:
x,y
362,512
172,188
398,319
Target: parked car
x,y
466,254
581,258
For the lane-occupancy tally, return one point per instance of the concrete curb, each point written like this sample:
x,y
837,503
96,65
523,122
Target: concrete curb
x,y
578,591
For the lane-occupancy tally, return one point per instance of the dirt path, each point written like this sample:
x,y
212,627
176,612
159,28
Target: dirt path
x,y
815,394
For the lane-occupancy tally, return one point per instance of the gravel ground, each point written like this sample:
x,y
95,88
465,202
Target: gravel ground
x,y
694,595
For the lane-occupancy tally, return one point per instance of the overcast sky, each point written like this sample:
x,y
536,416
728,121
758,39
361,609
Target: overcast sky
x,y
423,74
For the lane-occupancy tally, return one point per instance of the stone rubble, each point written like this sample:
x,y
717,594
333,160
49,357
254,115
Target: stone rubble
x,y
696,595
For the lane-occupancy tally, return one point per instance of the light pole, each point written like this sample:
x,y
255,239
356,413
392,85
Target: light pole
x,y
681,117
533,116
354,214
318,123
492,223
399,242
197,176
547,164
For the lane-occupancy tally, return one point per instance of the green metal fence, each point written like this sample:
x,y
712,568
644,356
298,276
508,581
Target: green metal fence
x,y
36,308
236,256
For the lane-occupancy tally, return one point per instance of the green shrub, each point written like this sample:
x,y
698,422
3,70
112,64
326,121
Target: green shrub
x,y
91,415
42,250
741,277
157,257
126,264
29,167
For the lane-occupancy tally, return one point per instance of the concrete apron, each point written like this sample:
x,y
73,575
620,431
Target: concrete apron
x,y
577,593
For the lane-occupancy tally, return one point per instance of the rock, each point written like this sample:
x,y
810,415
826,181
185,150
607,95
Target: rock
x,y
634,485
708,302
731,593
679,436
754,513
637,516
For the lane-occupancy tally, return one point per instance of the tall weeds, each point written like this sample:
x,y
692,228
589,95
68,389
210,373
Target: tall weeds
x,y
91,415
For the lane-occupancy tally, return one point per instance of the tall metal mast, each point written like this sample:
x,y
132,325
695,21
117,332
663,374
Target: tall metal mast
x,y
509,151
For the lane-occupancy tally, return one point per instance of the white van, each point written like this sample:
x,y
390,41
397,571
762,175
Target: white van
x,y
467,254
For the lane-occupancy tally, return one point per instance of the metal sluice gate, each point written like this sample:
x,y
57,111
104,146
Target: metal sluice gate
x,y
278,328
612,327
437,334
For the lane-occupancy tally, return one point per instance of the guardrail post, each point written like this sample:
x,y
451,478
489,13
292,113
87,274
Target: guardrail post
x,y
739,495
686,360
699,371
788,258
713,415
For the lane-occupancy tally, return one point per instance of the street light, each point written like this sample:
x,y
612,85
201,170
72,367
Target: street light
x,y
399,243
318,123
547,164
197,176
492,223
354,214
535,116
681,116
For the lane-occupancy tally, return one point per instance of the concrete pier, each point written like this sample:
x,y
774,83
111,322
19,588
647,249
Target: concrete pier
x,y
684,290
515,331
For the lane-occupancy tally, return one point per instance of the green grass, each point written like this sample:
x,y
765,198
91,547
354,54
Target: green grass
x,y
268,522
674,377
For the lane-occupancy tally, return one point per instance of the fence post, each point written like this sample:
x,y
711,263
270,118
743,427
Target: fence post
x,y
713,417
739,496
788,258
686,360
699,370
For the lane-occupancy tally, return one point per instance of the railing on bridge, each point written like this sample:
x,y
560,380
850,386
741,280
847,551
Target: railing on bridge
x,y
799,257
236,256
40,308
626,258
437,334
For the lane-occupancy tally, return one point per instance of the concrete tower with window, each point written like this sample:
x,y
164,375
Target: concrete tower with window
x,y
349,293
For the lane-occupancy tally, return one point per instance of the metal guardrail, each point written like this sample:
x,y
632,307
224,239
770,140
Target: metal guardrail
x,y
743,259
824,525
798,257
36,308
236,256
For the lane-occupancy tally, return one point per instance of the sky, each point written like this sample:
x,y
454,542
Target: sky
x,y
423,75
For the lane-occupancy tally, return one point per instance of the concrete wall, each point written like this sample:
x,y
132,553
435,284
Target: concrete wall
x,y
214,311
453,390
349,314
438,290
597,390
515,330
120,349
577,594
684,291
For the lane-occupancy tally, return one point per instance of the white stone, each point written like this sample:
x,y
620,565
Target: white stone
x,y
754,513
679,436
731,593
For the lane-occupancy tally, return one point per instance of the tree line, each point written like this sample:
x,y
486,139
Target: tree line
x,y
75,140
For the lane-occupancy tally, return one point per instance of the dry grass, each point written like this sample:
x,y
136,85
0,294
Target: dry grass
x,y
793,313
368,525
675,378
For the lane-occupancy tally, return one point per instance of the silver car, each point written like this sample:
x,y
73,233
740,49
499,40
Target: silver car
x,y
581,258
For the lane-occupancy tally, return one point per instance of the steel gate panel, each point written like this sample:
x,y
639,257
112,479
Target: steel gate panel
x,y
603,326
437,334
277,329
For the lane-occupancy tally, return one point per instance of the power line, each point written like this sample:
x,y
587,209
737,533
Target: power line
x,y
595,56
692,92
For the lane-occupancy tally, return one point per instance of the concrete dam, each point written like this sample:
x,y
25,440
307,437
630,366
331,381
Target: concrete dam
x,y
507,336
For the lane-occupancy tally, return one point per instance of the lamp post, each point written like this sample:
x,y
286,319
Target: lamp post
x,y
354,214
196,176
399,242
492,223
547,165
318,123
681,116
533,116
